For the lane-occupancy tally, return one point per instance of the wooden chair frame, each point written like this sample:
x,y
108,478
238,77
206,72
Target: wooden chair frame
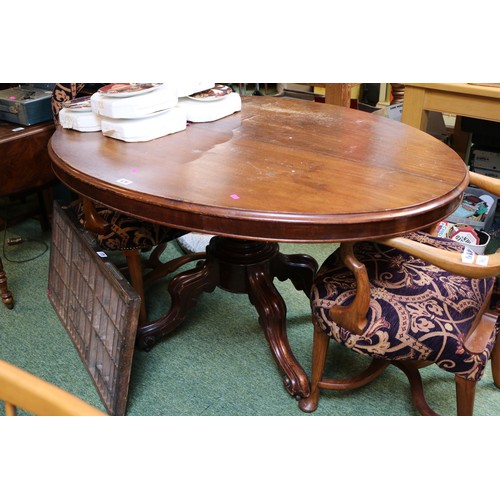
x,y
96,224
20,389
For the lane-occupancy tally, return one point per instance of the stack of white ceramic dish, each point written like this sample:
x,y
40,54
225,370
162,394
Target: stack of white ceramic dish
x,y
137,112
133,100
210,104
77,114
144,129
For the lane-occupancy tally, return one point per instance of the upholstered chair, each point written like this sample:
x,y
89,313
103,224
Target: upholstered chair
x,y
408,301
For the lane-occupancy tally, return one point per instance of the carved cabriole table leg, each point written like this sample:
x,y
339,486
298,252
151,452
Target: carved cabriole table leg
x,y
5,293
241,266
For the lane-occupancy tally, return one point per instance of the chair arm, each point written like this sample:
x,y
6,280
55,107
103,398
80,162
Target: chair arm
x,y
18,388
353,317
92,220
489,184
445,259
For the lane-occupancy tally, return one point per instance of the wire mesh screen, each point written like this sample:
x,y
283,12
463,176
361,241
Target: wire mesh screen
x,y
97,306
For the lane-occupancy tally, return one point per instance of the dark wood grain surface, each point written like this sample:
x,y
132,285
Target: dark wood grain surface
x,y
281,169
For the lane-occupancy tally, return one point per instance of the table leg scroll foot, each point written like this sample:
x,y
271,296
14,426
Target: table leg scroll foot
x,y
248,267
272,317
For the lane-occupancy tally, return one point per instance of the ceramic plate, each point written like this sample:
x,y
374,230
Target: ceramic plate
x,y
127,89
78,104
213,94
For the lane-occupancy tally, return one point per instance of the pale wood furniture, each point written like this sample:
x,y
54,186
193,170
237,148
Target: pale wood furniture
x,y
254,179
20,389
340,93
461,99
337,93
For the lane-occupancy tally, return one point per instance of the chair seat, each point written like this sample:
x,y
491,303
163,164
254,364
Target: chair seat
x,y
128,233
417,312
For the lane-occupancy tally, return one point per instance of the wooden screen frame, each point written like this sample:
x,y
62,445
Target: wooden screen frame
x,y
96,305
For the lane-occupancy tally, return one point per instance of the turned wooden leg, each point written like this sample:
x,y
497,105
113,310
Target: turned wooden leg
x,y
136,280
466,390
10,409
5,293
398,92
320,350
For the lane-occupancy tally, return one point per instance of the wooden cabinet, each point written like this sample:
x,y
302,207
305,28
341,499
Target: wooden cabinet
x,y
25,166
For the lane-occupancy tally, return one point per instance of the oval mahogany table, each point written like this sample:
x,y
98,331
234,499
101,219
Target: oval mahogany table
x,y
281,170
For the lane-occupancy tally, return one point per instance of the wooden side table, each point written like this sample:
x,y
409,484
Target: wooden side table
x,y
25,167
461,99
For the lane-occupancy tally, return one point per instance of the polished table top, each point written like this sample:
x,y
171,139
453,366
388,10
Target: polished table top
x,y
280,170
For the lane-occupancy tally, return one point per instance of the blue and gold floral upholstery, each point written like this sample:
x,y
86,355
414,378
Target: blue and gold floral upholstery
x,y
417,311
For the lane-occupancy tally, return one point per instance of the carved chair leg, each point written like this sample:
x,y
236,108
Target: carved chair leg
x,y
320,349
5,293
495,362
466,391
134,265
411,370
